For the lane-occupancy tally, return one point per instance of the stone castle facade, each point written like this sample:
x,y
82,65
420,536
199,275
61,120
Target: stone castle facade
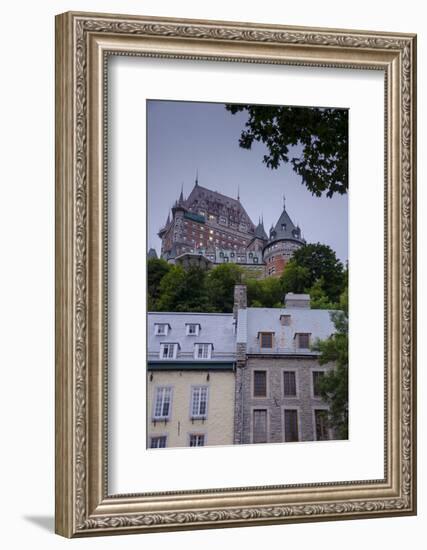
x,y
210,228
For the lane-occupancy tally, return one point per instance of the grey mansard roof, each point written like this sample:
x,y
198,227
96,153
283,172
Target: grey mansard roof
x,y
252,321
215,328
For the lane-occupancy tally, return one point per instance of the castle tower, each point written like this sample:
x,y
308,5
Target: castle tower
x,y
285,238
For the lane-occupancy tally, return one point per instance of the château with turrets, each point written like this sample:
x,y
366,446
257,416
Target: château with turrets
x,y
208,228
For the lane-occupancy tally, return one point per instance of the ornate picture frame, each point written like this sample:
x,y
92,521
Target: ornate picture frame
x,y
84,42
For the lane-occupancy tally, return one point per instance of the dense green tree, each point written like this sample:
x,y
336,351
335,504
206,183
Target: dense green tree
x,y
314,140
295,278
319,298
265,292
184,290
333,386
156,270
220,286
319,262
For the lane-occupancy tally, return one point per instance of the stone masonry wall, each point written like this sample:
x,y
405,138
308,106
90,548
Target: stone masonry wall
x,y
275,402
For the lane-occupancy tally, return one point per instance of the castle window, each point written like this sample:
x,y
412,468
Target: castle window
x,y
283,227
251,255
255,260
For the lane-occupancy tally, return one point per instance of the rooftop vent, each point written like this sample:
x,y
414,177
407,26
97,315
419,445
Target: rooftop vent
x,y
297,300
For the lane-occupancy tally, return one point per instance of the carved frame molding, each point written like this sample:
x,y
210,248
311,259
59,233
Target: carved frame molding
x,y
83,43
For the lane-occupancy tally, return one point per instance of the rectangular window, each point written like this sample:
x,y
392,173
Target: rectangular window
x,y
291,425
289,384
304,340
260,426
260,383
317,377
197,440
192,329
202,351
161,329
285,320
266,340
158,442
199,402
168,351
162,403
321,420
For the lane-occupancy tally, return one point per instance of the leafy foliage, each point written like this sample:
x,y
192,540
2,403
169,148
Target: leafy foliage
x,y
220,286
310,264
333,386
265,293
156,270
184,290
321,134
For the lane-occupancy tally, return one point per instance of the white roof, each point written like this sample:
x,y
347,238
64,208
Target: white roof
x,y
215,328
316,322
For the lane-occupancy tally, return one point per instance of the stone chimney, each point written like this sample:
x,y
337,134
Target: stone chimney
x,y
297,300
240,299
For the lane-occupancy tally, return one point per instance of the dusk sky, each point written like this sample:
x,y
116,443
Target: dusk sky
x,y
186,137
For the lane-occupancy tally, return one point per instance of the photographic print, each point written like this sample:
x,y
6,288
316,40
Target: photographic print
x,y
247,274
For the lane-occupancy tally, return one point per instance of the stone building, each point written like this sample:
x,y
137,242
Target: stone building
x,y
218,228
277,374
190,379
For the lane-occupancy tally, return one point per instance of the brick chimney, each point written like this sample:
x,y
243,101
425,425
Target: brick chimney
x,y
240,299
297,300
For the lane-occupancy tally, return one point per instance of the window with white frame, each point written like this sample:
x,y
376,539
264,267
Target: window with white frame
x,y
161,329
192,329
199,402
168,351
202,351
162,403
197,440
158,442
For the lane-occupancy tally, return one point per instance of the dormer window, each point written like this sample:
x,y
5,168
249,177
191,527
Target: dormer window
x,y
203,351
283,227
265,340
168,350
303,340
192,329
161,329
